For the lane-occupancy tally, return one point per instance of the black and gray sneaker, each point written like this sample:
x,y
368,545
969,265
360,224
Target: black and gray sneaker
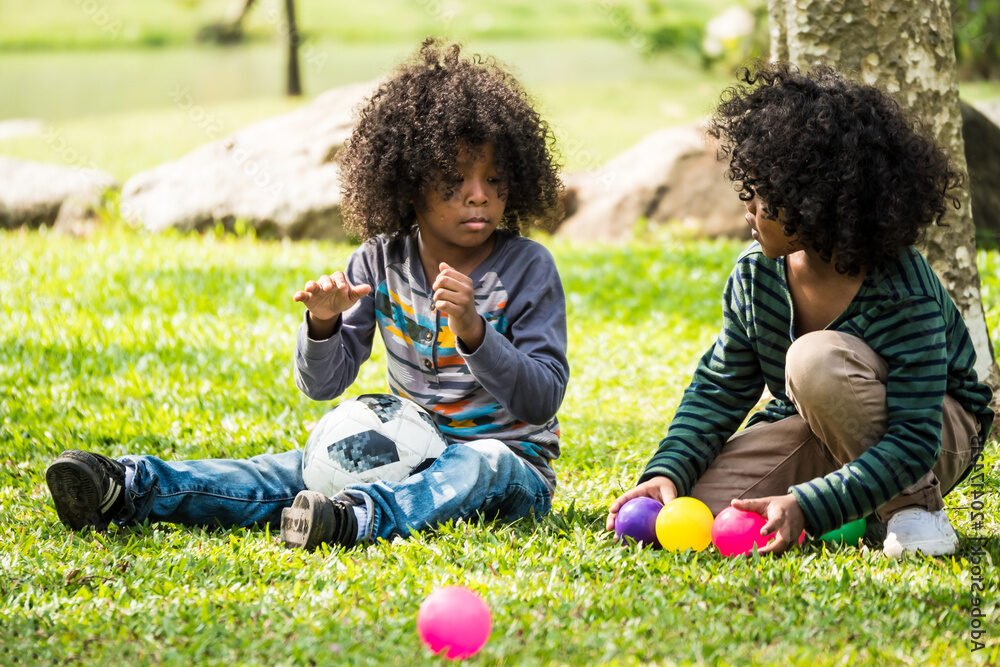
x,y
88,489
314,519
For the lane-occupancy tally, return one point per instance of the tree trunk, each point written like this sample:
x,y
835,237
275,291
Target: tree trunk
x,y
237,12
293,81
907,49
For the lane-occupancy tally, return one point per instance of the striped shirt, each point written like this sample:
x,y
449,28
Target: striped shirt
x,y
508,389
902,312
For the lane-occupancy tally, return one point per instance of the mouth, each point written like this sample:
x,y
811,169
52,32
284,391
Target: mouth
x,y
476,223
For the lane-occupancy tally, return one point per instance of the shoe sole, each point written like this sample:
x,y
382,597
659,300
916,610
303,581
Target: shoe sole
x,y
306,521
76,492
894,549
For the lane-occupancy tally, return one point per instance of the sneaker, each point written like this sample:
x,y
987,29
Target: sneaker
x,y
917,529
313,519
86,488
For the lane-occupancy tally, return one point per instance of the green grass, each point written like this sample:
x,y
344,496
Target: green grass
x,y
181,346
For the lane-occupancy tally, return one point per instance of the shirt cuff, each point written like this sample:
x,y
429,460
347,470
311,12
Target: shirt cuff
x,y
488,355
317,349
816,524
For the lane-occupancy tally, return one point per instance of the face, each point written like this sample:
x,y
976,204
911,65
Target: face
x,y
768,231
470,215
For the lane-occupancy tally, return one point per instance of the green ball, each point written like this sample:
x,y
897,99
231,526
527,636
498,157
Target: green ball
x,y
849,533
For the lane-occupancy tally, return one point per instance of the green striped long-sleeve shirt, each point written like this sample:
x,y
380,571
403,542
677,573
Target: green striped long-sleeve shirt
x,y
902,312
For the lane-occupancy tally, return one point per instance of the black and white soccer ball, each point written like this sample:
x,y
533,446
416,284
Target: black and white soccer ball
x,y
375,437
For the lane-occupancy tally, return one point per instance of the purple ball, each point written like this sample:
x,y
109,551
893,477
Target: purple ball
x,y
637,519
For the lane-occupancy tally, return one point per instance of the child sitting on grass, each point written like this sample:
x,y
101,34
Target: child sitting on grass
x,y
447,163
876,405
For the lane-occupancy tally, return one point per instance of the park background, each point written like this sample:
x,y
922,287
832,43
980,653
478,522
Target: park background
x,y
180,344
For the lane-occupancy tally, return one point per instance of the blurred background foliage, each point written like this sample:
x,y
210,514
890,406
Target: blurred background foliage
x,y
104,77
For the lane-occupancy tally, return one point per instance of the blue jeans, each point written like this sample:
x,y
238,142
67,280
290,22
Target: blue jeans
x,y
483,477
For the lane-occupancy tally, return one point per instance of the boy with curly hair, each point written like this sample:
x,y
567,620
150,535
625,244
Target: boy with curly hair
x,y
447,163
876,405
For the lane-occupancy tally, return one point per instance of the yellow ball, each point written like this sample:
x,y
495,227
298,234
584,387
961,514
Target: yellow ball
x,y
684,523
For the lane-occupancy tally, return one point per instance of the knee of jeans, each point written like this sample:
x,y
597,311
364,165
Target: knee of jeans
x,y
492,451
814,367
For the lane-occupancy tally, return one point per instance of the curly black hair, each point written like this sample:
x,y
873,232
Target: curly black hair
x,y
855,179
410,132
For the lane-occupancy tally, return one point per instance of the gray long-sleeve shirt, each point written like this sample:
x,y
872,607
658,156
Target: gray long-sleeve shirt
x,y
509,389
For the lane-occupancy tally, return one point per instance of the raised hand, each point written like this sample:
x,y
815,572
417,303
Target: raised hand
x,y
657,488
455,297
329,296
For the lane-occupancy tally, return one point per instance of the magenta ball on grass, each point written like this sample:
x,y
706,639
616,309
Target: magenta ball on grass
x,y
735,532
454,620
637,519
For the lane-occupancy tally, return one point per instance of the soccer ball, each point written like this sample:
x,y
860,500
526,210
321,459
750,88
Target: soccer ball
x,y
375,437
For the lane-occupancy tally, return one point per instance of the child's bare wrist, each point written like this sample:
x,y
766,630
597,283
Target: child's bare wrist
x,y
321,328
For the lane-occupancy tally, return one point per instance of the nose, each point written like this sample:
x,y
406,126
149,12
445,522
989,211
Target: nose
x,y
475,192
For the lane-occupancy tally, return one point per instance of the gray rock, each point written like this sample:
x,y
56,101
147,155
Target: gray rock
x,y
276,175
670,176
982,154
33,194
673,176
990,109
19,127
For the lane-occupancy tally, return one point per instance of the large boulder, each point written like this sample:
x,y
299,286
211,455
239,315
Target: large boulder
x,y
672,175
982,153
19,127
33,194
277,175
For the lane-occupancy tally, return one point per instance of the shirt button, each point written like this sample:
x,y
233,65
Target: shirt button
x,y
428,365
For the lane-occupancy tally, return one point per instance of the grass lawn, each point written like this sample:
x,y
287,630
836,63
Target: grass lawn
x,y
181,346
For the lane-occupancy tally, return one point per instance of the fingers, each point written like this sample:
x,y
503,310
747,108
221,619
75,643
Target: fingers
x,y
776,546
617,505
773,524
452,276
453,296
358,291
667,492
625,497
758,505
335,284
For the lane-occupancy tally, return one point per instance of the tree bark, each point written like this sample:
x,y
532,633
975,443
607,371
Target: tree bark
x,y
907,49
293,85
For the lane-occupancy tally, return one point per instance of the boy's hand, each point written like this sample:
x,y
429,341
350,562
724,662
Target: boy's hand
x,y
658,488
784,517
327,297
455,297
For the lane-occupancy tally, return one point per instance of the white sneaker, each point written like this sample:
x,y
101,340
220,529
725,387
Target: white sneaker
x,y
916,529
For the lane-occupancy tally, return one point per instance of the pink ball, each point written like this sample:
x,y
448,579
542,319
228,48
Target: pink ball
x,y
455,620
735,532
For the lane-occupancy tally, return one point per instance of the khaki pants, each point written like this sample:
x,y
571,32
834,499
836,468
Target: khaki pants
x,y
837,384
